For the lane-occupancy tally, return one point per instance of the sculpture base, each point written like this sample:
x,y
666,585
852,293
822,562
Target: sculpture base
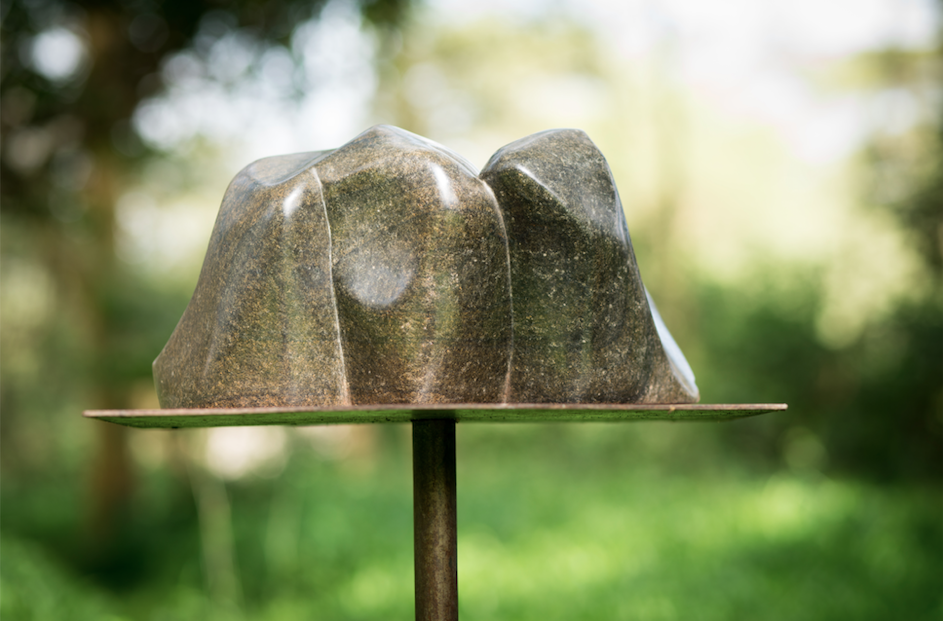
x,y
459,412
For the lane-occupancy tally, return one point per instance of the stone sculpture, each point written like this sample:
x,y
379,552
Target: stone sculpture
x,y
390,271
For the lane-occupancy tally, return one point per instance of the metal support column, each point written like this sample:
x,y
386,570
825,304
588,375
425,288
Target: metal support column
x,y
434,520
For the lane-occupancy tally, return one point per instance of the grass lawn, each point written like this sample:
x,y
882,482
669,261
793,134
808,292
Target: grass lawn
x,y
635,522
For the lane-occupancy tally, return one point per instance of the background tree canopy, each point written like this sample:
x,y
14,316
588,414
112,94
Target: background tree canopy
x,y
785,205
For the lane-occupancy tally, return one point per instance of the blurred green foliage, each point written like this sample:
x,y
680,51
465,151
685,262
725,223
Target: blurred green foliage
x,y
37,587
828,511
555,522
871,409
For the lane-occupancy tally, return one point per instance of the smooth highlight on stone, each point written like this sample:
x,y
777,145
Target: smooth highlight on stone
x,y
388,271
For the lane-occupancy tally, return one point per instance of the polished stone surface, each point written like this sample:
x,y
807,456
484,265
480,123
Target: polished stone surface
x,y
583,328
389,272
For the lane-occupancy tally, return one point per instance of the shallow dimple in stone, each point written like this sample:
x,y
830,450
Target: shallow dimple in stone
x,y
379,274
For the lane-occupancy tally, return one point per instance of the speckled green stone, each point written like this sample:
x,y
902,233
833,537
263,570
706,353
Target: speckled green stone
x,y
388,271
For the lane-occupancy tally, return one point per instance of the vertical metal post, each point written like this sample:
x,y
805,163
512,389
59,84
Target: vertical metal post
x,y
434,520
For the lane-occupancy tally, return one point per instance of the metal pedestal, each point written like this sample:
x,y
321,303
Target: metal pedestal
x,y
434,520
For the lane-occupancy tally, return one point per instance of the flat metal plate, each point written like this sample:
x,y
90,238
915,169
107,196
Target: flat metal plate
x,y
460,412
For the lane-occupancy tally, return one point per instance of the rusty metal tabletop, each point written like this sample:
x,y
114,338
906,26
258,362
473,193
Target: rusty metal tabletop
x,y
459,412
